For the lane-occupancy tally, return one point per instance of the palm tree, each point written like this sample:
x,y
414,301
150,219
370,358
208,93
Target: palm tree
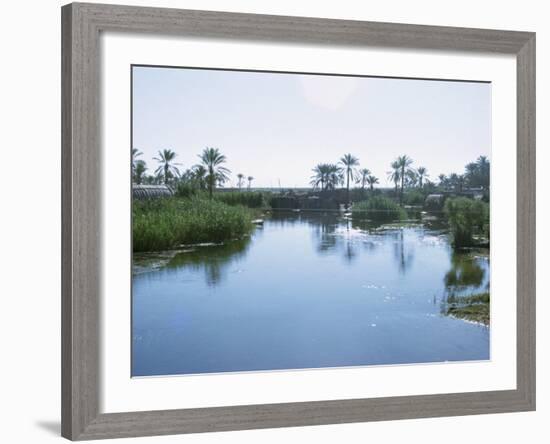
x,y
422,173
166,169
139,171
212,160
135,154
484,168
334,176
411,178
250,179
460,180
404,162
199,176
326,175
320,175
453,180
363,176
372,180
442,180
240,178
457,181
395,175
483,163
349,162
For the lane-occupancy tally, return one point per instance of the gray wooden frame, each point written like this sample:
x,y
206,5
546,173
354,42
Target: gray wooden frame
x,y
81,164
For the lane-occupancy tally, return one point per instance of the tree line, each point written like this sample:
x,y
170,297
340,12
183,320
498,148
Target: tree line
x,y
328,176
210,172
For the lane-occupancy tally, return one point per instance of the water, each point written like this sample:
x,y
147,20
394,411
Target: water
x,y
306,291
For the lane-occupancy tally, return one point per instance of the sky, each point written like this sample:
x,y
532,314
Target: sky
x,y
276,127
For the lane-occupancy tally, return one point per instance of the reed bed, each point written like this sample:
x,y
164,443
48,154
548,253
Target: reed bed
x,y
378,208
164,224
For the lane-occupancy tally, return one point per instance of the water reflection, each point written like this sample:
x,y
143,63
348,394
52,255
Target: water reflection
x,y
404,256
214,260
468,274
332,233
337,234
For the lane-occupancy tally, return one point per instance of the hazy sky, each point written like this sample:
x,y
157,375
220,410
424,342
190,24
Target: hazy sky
x,y
277,127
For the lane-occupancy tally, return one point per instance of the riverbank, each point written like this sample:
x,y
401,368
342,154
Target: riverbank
x,y
164,224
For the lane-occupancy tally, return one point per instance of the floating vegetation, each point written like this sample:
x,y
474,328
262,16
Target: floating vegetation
x,y
474,308
144,262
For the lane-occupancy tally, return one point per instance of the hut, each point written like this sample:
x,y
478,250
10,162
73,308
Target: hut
x,y
141,192
434,202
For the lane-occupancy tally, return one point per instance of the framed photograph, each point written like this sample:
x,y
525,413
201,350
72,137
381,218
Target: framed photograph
x,y
278,221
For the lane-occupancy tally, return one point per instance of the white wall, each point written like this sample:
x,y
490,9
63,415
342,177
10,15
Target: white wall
x,y
30,220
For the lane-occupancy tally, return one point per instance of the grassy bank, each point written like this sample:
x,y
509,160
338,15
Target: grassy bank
x,y
163,224
475,308
378,208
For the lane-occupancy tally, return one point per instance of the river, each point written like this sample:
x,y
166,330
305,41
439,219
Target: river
x,y
306,290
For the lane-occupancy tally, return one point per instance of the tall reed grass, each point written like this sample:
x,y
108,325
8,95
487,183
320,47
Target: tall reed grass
x,y
467,217
163,224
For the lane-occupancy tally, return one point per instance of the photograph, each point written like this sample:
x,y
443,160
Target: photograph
x,y
291,221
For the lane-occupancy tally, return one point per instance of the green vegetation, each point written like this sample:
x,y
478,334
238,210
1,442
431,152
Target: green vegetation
x,y
395,175
163,224
250,199
378,208
414,197
403,163
477,174
475,308
240,181
326,176
363,177
372,181
166,169
215,172
187,189
139,171
467,217
422,173
340,183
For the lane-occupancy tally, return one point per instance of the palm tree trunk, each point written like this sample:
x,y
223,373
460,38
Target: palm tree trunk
x,y
402,185
347,186
211,180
